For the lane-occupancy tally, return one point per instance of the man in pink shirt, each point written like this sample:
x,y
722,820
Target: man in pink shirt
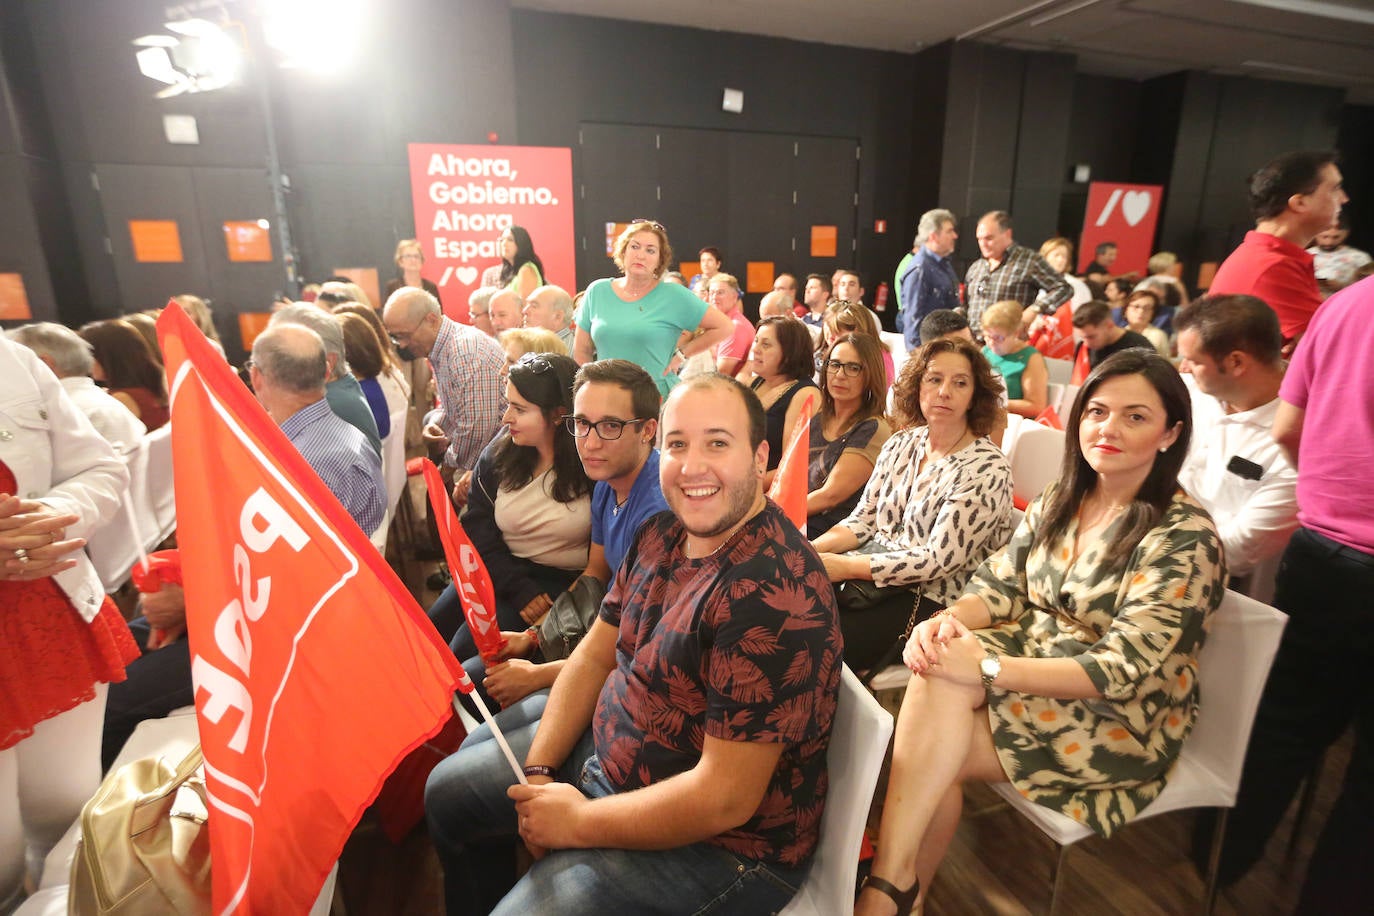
x,y
1319,684
732,353
1293,198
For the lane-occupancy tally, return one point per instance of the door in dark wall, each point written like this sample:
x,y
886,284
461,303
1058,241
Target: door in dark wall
x,y
200,200
755,196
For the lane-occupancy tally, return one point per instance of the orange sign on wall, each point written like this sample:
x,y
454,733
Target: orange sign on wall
x,y
156,241
251,324
823,241
758,277
14,299
366,278
248,240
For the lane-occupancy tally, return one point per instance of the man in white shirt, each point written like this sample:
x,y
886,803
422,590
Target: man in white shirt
x,y
1230,346
69,357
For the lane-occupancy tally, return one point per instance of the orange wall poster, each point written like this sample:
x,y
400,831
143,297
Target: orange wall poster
x,y
823,241
248,240
14,299
156,241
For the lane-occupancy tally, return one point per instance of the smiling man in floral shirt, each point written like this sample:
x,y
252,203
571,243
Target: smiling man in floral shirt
x,y
692,723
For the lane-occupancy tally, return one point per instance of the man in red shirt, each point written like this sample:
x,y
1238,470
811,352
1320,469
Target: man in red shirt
x,y
1293,198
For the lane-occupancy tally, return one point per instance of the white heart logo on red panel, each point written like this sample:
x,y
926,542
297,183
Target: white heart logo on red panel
x,y
1134,206
466,275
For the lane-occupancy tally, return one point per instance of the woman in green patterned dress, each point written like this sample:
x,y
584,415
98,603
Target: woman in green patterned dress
x,y
1069,666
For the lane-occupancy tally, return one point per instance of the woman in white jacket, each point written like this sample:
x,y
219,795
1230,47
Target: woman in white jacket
x,y
61,639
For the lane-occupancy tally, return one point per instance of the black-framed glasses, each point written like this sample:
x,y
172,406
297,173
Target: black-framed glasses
x,y
839,367
609,429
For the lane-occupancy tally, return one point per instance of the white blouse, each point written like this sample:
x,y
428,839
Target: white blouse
x,y
932,529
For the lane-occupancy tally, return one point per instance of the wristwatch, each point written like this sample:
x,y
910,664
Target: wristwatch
x,y
990,667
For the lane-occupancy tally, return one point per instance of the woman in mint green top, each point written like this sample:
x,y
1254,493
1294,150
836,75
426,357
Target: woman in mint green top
x,y
635,317
1023,368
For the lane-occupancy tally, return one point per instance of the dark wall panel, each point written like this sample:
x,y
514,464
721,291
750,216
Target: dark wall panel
x,y
1356,143
1102,135
577,70
1046,113
20,249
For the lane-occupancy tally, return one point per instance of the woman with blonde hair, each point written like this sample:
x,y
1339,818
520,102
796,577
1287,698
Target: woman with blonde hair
x,y
410,258
1023,369
844,317
635,317
1058,252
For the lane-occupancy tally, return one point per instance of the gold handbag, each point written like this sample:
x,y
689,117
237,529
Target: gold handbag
x,y
144,846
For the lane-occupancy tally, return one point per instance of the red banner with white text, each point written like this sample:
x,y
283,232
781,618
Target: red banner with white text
x,y
315,672
465,196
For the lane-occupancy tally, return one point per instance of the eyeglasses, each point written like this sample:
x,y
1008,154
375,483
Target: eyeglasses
x,y
399,338
608,429
538,363
836,367
651,223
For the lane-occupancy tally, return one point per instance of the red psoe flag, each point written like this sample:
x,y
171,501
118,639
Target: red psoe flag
x,y
476,594
315,672
789,483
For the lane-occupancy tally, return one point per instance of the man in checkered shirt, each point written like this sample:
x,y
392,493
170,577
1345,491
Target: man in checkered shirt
x,y
1009,271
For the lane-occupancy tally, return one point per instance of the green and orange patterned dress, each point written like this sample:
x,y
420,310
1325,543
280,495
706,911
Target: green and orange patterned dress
x,y
1136,627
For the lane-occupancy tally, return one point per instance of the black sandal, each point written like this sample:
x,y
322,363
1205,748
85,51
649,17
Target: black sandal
x,y
905,900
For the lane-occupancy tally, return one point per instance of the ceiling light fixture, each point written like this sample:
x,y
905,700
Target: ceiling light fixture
x,y
1322,8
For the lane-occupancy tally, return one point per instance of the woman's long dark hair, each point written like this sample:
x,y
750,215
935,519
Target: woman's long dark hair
x,y
524,254
875,379
125,356
549,389
1077,478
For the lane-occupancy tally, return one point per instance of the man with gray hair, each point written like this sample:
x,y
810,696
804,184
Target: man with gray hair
x,y
467,372
504,310
288,371
344,394
479,309
69,358
776,303
551,308
927,281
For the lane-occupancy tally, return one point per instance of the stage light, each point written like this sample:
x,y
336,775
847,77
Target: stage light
x,y
322,35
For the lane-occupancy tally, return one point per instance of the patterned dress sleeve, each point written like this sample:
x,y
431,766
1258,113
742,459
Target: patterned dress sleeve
x,y
1173,582
1001,580
974,512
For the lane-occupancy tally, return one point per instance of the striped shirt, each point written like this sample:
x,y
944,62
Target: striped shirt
x,y
343,458
467,373
1021,275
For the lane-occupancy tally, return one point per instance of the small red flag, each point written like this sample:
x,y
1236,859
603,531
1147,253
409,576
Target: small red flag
x,y
1053,336
315,672
471,580
789,488
1050,417
1081,366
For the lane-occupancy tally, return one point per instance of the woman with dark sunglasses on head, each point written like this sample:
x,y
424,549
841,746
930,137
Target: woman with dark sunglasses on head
x,y
849,431
635,317
529,505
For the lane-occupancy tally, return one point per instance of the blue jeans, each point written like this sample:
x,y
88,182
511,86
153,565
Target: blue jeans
x,y
696,879
473,826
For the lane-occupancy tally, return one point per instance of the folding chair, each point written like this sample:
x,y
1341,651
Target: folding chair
x,y
1232,670
858,744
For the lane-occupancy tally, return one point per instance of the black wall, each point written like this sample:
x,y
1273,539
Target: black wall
x,y
576,69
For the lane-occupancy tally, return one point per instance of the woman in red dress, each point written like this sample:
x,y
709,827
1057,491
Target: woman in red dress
x,y
61,639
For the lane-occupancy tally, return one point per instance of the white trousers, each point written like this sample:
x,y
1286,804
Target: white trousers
x,y
44,781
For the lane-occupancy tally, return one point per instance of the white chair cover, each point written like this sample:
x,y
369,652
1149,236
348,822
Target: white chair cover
x,y
1035,460
858,743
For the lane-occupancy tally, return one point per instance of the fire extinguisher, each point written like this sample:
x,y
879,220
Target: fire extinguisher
x,y
880,299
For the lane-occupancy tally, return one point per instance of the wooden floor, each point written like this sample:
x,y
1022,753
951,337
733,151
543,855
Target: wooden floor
x,y
998,863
